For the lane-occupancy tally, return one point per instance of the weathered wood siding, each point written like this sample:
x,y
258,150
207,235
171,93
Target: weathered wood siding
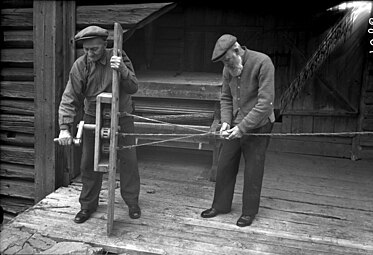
x,y
17,107
184,40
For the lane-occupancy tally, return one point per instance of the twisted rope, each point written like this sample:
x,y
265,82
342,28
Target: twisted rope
x,y
217,133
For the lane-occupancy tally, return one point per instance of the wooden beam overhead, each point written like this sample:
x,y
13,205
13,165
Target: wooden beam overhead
x,y
130,16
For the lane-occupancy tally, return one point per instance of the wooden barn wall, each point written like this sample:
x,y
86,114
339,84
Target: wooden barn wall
x,y
184,39
17,107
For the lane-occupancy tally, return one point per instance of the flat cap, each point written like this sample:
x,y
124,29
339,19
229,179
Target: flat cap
x,y
91,32
222,45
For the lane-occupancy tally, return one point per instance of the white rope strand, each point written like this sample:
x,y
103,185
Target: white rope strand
x,y
182,136
163,122
255,134
162,141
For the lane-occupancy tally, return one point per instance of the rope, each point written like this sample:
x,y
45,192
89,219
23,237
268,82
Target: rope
x,y
217,133
161,122
257,134
162,141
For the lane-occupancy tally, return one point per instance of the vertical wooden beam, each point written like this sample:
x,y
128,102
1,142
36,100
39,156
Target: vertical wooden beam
x,y
118,42
367,77
48,60
72,153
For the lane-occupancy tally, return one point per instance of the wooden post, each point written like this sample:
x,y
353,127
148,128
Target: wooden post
x,y
48,60
367,77
72,153
118,40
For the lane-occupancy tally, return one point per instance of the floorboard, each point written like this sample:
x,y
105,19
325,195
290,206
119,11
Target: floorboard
x,y
309,205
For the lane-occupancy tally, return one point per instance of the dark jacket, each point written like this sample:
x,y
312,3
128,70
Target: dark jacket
x,y
87,80
247,100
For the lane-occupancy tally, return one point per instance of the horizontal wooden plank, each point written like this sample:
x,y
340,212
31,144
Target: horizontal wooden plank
x,y
183,78
310,147
17,171
149,109
308,205
127,15
366,153
185,144
17,89
22,107
17,123
13,138
17,188
203,119
17,17
15,205
177,104
185,91
367,141
23,56
17,74
18,38
146,127
17,155
163,132
320,113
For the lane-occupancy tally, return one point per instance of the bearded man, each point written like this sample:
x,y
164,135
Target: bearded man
x,y
246,107
90,75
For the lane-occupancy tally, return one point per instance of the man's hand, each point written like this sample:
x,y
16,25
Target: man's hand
x,y
223,130
117,63
65,138
234,133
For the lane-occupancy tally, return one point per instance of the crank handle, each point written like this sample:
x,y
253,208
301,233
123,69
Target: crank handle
x,y
78,139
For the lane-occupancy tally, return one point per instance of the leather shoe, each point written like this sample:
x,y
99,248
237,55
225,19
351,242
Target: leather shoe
x,y
245,220
209,213
82,216
134,211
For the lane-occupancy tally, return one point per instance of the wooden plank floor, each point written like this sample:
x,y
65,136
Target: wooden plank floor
x,y
310,205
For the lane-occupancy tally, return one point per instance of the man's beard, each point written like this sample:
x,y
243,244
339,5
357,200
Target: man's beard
x,y
236,69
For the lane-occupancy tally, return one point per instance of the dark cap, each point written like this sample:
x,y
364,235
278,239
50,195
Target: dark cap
x,y
223,44
91,32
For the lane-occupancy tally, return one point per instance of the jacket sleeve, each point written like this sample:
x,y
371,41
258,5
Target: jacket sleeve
x,y
226,100
128,80
72,99
266,93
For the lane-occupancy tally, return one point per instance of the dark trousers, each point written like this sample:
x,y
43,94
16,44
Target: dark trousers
x,y
253,149
128,168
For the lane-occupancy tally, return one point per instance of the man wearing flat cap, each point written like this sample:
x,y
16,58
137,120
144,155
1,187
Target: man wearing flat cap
x,y
246,107
90,75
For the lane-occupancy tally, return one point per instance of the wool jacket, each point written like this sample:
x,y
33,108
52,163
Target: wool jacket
x,y
247,100
89,79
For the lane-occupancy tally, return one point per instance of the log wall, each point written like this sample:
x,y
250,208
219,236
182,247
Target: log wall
x,y
17,107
